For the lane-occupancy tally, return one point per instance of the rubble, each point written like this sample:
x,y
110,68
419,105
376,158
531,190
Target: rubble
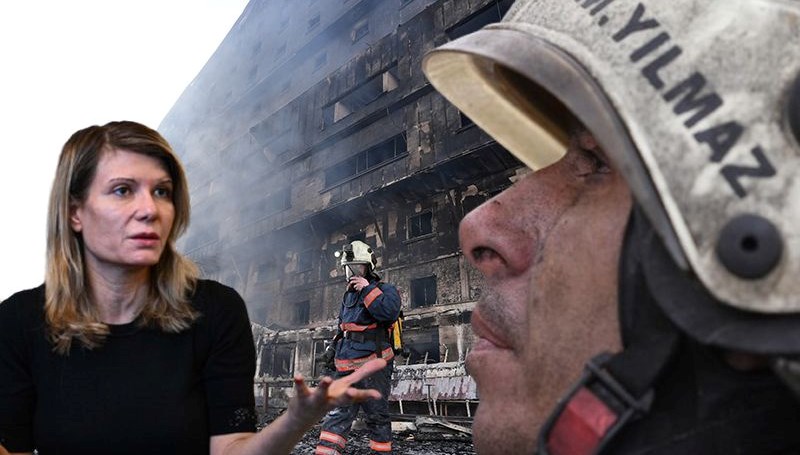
x,y
358,444
427,435
442,428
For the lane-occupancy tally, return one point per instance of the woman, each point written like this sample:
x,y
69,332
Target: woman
x,y
124,349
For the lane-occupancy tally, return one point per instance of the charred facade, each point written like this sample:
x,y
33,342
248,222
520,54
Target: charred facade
x,y
312,125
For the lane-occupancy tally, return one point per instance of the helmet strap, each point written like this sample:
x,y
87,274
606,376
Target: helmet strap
x,y
616,389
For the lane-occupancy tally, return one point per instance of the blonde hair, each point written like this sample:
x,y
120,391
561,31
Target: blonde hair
x,y
69,313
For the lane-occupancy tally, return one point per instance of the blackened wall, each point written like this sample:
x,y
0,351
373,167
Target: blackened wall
x,y
313,125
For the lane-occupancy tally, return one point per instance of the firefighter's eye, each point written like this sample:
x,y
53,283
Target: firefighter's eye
x,y
599,161
588,162
586,156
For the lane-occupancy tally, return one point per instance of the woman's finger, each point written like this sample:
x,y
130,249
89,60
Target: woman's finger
x,y
369,368
300,387
340,386
353,395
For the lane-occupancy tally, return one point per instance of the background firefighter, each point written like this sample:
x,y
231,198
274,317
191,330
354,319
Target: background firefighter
x,y
369,307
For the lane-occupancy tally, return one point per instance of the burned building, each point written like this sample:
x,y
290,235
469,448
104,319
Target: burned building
x,y
312,125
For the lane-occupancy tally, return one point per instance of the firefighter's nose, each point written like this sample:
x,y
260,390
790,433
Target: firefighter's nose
x,y
494,241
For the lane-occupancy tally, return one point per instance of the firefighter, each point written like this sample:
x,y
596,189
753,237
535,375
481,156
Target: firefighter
x,y
369,307
650,259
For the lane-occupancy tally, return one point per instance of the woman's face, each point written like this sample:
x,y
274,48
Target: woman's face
x,y
127,214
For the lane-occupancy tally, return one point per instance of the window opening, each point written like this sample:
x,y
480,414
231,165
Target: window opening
x,y
419,225
423,292
365,160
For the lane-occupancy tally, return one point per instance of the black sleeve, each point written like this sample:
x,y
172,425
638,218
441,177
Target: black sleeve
x,y
17,393
229,370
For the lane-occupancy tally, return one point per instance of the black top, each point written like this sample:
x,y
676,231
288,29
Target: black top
x,y
142,391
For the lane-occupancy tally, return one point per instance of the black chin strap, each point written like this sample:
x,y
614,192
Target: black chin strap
x,y
613,391
616,389
704,406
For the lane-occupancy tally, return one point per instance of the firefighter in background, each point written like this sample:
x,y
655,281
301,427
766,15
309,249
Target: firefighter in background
x,y
369,307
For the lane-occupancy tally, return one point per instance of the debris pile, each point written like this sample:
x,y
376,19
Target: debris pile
x,y
426,435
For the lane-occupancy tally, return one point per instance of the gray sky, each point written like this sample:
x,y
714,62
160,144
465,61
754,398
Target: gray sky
x,y
70,64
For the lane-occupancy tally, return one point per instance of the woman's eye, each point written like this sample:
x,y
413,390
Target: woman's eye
x,y
164,193
122,190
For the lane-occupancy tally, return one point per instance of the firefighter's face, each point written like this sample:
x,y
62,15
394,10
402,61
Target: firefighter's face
x,y
549,249
352,270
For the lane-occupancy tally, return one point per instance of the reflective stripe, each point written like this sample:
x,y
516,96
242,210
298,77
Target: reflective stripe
x,y
380,446
582,425
352,364
353,327
323,450
373,294
333,437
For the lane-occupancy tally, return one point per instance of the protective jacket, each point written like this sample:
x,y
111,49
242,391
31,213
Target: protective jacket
x,y
364,318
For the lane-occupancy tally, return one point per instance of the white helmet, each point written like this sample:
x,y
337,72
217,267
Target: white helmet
x,y
356,252
697,102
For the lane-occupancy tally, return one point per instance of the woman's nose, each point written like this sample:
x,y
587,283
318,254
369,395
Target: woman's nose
x,y
146,208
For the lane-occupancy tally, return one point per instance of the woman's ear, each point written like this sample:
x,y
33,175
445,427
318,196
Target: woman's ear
x,y
74,216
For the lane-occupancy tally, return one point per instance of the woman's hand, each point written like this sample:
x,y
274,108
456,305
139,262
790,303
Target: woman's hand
x,y
310,404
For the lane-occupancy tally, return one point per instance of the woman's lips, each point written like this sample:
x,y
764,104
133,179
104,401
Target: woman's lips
x,y
146,236
146,240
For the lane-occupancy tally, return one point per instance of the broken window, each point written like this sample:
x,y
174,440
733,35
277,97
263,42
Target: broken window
x,y
492,12
423,291
276,134
304,260
360,30
276,202
361,96
277,360
423,345
319,361
419,225
362,236
270,205
267,353
366,160
284,360
300,316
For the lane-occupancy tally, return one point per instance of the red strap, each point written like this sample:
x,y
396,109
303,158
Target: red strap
x,y
353,327
353,364
581,426
373,294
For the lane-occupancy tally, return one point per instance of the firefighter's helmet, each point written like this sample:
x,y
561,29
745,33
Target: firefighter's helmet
x,y
697,103
356,252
